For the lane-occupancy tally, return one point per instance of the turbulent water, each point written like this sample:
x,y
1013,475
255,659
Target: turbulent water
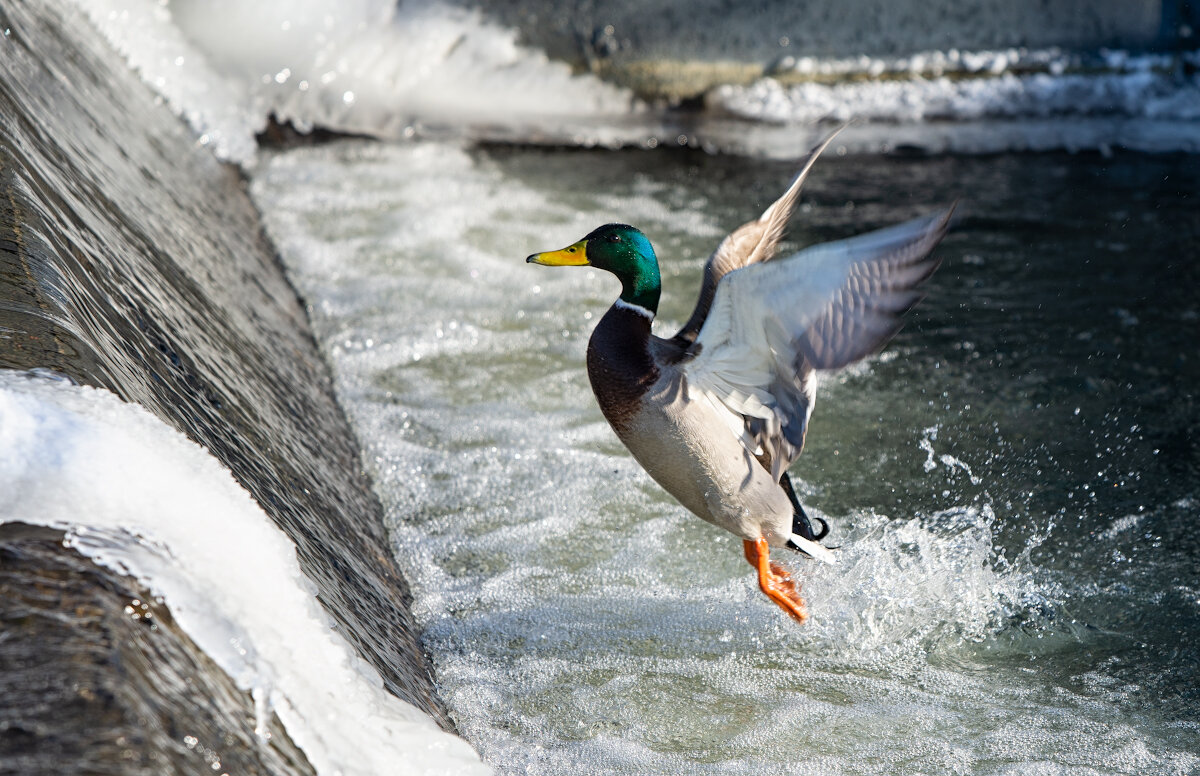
x,y
1011,482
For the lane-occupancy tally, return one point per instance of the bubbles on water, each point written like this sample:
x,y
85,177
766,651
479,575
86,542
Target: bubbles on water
x,y
622,663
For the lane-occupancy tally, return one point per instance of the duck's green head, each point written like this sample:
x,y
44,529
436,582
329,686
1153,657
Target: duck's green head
x,y
623,251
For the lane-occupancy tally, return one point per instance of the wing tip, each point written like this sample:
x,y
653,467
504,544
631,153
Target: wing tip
x,y
946,217
787,199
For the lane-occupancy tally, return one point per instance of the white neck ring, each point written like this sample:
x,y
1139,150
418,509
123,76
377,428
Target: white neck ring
x,y
637,308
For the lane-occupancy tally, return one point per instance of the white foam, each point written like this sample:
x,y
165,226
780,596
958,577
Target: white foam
x,y
395,71
138,497
374,67
366,67
390,71
935,87
221,111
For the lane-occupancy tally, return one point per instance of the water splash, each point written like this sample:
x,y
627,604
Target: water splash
x,y
370,67
914,584
928,437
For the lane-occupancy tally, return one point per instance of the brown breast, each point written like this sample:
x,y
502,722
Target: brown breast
x,y
620,366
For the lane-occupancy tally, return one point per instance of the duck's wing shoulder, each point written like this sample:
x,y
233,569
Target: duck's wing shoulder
x,y
667,353
753,242
772,325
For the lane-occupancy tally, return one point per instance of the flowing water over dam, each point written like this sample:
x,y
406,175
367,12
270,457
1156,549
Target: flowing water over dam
x,y
1012,482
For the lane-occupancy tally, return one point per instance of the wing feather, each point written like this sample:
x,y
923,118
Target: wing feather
x,y
772,325
752,242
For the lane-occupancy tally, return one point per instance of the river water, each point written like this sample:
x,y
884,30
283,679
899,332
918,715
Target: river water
x,y
1012,482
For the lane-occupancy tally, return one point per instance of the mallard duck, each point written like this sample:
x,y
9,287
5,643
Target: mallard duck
x,y
718,413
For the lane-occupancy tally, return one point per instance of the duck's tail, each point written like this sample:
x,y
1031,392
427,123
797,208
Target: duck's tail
x,y
811,549
804,539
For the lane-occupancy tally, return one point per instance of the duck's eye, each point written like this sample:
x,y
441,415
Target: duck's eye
x,y
614,238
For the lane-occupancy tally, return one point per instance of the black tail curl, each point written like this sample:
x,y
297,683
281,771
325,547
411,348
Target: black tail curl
x,y
802,524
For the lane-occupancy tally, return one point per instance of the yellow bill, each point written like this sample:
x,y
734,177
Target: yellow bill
x,y
571,256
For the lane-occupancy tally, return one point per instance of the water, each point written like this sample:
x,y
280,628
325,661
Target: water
x,y
1011,481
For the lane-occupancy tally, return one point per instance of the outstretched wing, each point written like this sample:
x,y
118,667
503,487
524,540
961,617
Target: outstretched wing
x,y
771,325
752,242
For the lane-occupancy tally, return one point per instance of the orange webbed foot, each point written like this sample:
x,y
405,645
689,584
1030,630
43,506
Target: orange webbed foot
x,y
774,581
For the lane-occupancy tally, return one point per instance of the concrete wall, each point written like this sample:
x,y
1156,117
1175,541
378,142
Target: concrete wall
x,y
760,30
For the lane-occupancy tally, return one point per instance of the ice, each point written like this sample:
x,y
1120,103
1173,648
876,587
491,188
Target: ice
x,y
366,67
139,498
1139,94
220,110
377,68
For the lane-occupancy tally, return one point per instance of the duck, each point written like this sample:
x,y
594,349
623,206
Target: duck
x,y
718,413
